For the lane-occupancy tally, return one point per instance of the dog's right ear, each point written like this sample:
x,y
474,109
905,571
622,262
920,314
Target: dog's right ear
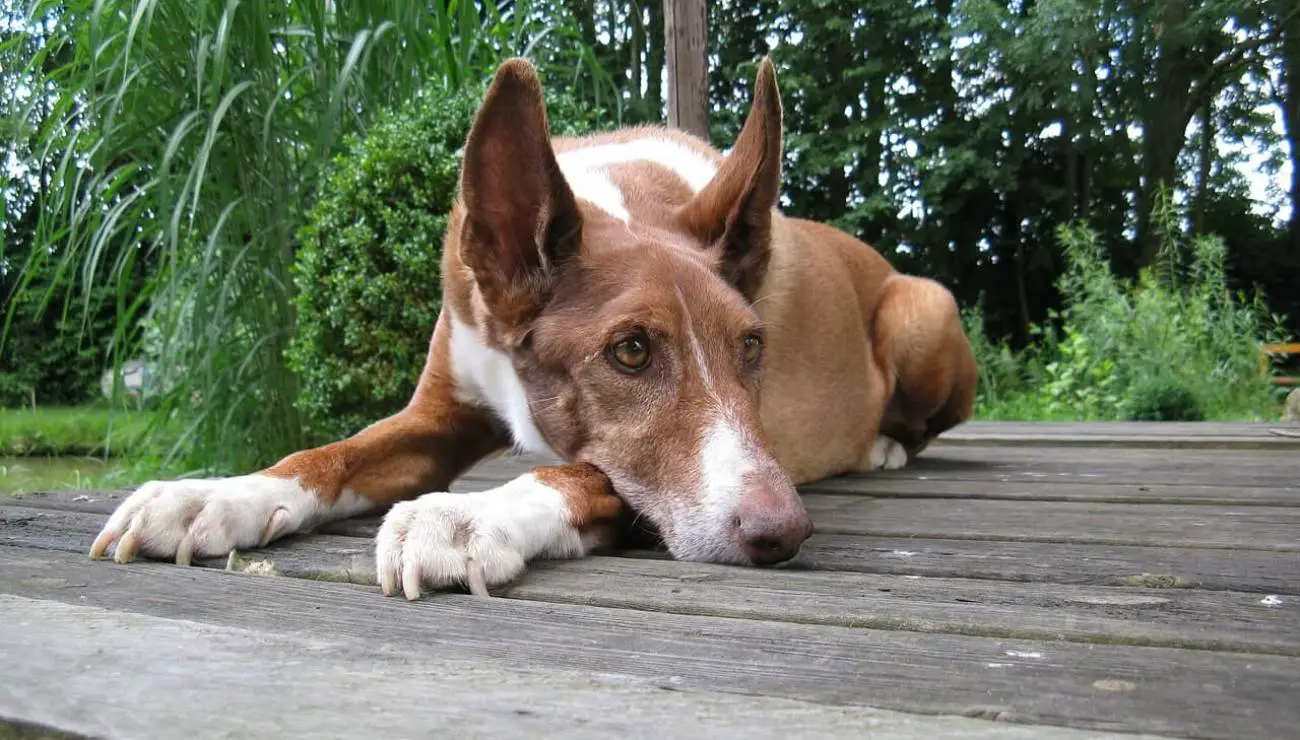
x,y
522,221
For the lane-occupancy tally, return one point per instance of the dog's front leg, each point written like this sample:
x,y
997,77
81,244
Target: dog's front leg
x,y
421,448
485,538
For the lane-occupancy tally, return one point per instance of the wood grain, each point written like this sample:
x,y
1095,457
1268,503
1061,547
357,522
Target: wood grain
x,y
1171,617
1159,525
1248,571
686,64
255,684
1104,687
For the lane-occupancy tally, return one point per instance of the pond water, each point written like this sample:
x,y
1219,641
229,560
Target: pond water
x,y
20,475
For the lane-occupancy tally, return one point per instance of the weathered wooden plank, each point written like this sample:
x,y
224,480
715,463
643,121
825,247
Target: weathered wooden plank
x,y
54,658
1105,687
1271,442
1269,468
1264,528
922,487
1160,525
1257,571
1247,570
1205,620
1052,465
1210,620
1186,429
1038,490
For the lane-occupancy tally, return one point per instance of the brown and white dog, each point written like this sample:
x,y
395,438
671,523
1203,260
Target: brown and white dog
x,y
634,303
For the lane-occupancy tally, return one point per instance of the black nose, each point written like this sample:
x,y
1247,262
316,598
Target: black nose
x,y
772,535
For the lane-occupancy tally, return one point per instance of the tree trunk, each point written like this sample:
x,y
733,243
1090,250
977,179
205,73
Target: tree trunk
x,y
1011,209
1291,117
1086,125
584,13
686,44
636,49
654,58
1205,166
873,149
1164,123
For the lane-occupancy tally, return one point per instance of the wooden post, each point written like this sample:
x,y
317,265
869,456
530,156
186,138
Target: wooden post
x,y
687,62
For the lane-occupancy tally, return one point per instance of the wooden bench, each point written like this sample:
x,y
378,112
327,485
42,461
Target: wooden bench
x,y
1269,351
1021,581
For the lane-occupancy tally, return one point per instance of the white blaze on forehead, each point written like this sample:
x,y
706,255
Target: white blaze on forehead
x,y
586,169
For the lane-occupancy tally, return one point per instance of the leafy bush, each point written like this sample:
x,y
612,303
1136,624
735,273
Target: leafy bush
x,y
367,269
49,357
1162,399
1174,344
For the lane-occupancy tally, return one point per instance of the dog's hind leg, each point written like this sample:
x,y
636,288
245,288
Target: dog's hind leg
x,y
919,340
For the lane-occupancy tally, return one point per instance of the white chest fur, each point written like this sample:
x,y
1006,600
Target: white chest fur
x,y
485,375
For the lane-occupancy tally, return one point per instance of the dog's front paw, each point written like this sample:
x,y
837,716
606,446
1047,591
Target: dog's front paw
x,y
183,518
887,454
474,539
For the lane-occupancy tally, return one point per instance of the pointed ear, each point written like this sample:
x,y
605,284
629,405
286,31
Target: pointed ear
x,y
521,219
733,213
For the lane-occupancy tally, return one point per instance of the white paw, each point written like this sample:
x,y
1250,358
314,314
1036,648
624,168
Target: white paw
x,y
475,539
208,517
887,454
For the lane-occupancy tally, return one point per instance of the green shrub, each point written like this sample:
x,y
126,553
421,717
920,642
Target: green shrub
x,y
367,267
1176,344
1162,399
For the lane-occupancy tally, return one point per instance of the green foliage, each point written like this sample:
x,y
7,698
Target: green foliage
x,y
1174,344
1162,399
181,144
166,154
50,357
368,266
50,431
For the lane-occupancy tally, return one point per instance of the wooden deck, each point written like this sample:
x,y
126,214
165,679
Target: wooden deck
x,y
1023,581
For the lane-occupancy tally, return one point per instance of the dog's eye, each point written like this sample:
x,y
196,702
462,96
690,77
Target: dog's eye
x,y
753,349
630,355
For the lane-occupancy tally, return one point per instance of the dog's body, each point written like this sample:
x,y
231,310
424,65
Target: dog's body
x,y
618,300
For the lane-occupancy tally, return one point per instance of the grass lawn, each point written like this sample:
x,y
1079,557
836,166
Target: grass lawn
x,y
71,431
73,448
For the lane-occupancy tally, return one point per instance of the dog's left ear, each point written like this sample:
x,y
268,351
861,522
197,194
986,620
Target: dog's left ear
x,y
733,213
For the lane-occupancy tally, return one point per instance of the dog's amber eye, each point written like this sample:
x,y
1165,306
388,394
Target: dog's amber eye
x,y
753,345
631,354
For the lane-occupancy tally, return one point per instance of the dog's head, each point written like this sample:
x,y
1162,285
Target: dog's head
x,y
626,309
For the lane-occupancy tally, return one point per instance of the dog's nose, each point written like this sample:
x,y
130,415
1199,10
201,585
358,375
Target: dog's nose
x,y
772,534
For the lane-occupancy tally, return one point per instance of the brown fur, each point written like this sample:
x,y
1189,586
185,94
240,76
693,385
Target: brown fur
x,y
850,347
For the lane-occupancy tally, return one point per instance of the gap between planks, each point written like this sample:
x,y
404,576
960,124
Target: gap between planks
x,y
1078,523
51,677
1168,617
1124,565
1116,688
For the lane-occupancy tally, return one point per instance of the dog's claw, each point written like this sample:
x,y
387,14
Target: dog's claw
x,y
127,547
475,579
185,551
102,542
274,525
411,581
